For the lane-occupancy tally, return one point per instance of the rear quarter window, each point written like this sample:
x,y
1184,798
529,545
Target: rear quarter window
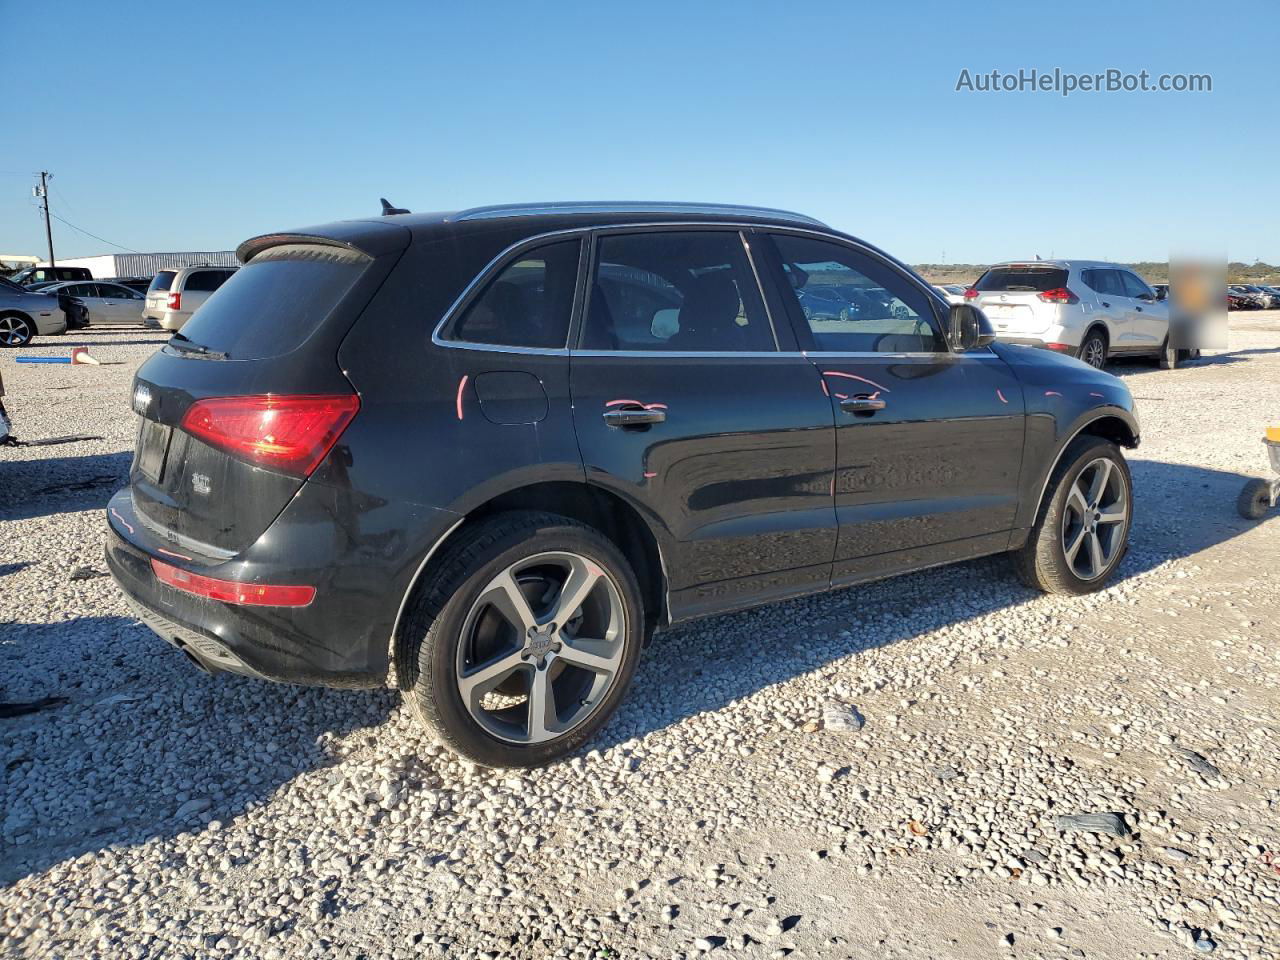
x,y
162,281
272,304
206,281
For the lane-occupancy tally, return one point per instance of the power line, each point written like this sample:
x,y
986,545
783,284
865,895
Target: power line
x,y
94,235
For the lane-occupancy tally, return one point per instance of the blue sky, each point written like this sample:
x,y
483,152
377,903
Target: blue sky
x,y
175,131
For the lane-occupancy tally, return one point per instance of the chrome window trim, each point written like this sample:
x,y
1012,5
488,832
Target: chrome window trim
x,y
711,354
482,277
485,274
502,211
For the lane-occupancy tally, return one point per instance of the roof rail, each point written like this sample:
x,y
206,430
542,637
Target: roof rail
x,y
624,206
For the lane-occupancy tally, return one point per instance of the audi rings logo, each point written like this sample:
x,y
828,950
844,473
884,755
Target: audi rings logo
x,y
141,399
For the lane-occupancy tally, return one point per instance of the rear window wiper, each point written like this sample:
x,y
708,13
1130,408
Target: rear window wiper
x,y
181,341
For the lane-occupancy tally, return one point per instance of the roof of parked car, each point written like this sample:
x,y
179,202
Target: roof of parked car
x,y
530,219
1060,262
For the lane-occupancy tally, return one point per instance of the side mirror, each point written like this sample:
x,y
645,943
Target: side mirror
x,y
1146,298
968,328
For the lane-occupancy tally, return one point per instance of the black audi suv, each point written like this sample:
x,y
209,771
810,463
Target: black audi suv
x,y
501,447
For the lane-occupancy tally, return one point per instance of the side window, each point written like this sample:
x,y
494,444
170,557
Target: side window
x,y
1111,283
1133,286
684,291
206,281
1090,279
528,303
853,304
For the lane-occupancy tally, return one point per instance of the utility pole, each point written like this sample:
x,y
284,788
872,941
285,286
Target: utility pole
x,y
48,223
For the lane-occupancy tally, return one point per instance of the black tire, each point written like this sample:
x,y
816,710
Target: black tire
x,y
1168,358
1093,350
427,648
1042,561
16,330
1255,499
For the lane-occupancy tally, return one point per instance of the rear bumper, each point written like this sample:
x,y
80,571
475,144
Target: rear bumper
x,y
341,639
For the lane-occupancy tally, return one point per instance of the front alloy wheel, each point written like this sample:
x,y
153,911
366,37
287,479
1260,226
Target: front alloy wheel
x,y
1096,510
1082,526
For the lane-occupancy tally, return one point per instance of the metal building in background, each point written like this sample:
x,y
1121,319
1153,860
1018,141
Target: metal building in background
x,y
146,264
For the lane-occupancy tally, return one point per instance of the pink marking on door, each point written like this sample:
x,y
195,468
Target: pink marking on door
x,y
1052,393
1001,396
854,376
824,387
648,475
461,386
1092,394
127,525
621,403
655,406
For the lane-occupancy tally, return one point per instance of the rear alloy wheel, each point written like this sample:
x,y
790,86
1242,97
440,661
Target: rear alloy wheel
x,y
1082,532
525,640
1094,350
15,330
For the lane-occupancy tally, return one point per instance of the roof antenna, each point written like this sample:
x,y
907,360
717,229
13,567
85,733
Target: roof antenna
x,y
388,210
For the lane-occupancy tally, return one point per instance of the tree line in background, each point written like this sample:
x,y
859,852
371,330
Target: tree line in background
x,y
1150,270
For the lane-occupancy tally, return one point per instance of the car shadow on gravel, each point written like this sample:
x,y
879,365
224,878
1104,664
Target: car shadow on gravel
x,y
706,665
124,757
161,748
60,482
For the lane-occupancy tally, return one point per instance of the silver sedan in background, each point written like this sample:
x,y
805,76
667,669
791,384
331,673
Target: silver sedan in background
x,y
109,304
24,315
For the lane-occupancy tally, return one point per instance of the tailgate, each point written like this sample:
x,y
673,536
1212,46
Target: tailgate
x,y
270,332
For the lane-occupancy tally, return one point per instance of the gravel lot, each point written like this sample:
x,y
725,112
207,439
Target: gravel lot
x,y
731,807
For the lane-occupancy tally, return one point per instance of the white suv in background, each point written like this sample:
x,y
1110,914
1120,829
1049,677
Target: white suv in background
x,y
176,292
1085,308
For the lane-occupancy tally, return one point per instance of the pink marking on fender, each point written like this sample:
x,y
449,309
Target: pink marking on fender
x,y
180,556
1001,396
1052,393
854,376
824,387
648,475
462,384
128,526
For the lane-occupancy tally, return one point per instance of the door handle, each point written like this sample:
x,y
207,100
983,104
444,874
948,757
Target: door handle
x,y
863,404
634,417
1105,304
1139,309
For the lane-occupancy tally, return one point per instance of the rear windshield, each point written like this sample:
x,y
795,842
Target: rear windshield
x,y
162,280
1028,279
272,304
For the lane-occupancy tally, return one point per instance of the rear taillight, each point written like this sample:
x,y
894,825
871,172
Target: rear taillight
x,y
1058,295
175,301
231,591
287,433
1061,347
971,294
